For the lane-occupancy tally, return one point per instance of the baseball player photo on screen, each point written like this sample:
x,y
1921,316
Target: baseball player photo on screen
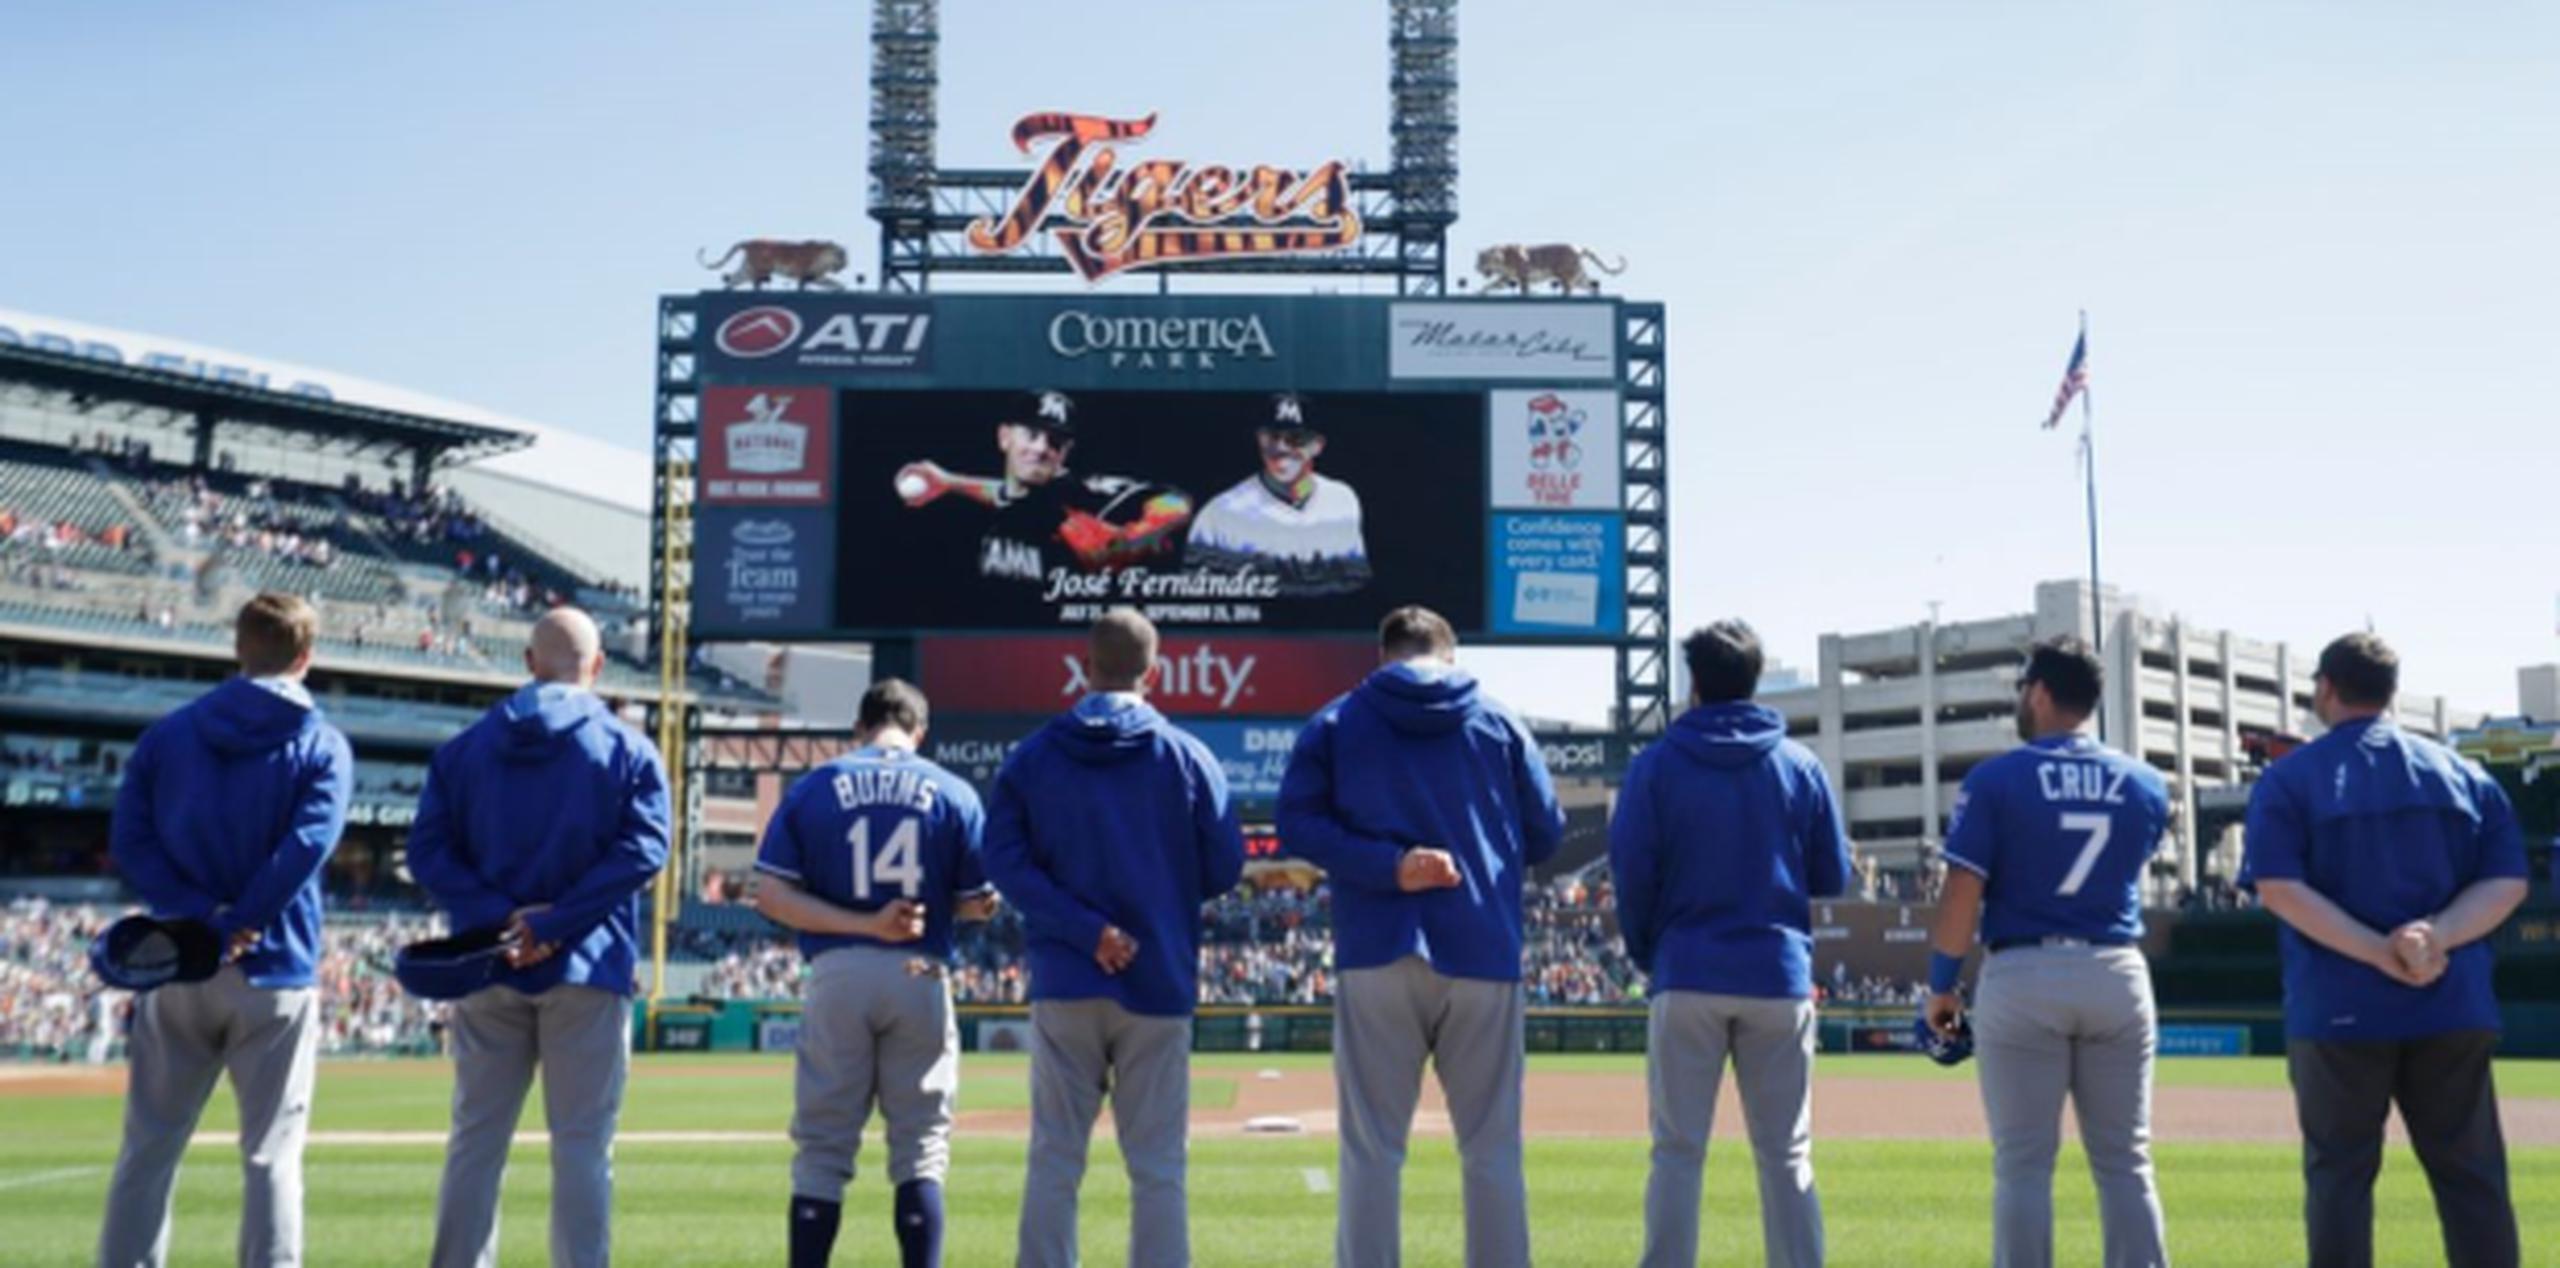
x,y
1046,508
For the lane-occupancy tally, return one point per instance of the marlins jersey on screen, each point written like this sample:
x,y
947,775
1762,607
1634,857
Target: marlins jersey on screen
x,y
873,826
2059,830
1314,546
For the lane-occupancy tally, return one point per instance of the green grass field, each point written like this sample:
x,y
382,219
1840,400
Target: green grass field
x,y
1254,1201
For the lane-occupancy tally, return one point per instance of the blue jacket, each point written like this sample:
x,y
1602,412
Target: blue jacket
x,y
547,799
1110,815
228,810
2390,827
1725,831
1416,756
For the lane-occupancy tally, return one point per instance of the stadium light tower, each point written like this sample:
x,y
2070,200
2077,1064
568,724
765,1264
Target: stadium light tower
x,y
905,79
1422,82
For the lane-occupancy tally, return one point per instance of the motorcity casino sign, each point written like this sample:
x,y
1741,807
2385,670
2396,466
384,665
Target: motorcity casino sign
x,y
1109,215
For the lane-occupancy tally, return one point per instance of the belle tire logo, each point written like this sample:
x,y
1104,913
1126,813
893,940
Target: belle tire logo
x,y
758,332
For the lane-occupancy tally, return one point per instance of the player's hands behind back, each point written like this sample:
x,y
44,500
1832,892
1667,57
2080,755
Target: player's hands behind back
x,y
1424,867
1116,950
901,921
2421,958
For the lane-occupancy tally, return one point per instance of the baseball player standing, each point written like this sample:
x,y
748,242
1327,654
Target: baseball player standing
x,y
1426,803
872,857
2390,860
1108,829
1723,833
546,817
2046,848
229,809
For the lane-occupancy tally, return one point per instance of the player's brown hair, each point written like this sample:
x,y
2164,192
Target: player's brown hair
x,y
892,702
1415,630
272,632
2362,669
1123,650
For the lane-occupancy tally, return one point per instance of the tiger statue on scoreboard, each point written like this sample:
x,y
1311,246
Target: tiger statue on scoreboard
x,y
1521,267
806,263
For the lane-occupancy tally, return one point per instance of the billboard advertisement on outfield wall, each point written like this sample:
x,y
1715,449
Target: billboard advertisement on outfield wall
x,y
875,466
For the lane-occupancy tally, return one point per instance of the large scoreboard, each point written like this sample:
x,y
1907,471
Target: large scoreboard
x,y
875,466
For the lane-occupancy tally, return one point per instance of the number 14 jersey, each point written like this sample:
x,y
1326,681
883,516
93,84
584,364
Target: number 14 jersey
x,y
873,826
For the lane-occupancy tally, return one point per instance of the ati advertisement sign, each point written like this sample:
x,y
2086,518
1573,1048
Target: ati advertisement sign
x,y
1460,340
767,446
1559,574
1555,450
763,573
1195,676
875,336
1108,215
966,511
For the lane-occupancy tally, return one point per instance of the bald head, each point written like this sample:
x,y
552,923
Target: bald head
x,y
1124,650
565,648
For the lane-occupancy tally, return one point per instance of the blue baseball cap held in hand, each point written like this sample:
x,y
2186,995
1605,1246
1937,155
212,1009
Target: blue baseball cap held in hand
x,y
139,953
450,968
1943,1049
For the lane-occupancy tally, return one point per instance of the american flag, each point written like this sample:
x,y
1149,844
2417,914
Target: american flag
x,y
2075,380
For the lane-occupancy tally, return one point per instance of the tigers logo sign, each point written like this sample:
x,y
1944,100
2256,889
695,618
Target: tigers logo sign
x,y
1109,215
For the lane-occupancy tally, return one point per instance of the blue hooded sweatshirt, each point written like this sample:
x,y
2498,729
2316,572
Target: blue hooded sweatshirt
x,y
1416,756
550,800
1724,832
228,810
1110,815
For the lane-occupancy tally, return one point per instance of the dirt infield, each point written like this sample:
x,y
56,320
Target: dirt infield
x,y
1611,1105
1560,1104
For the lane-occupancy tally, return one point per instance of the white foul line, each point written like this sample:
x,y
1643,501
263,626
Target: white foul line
x,y
47,1177
1317,1180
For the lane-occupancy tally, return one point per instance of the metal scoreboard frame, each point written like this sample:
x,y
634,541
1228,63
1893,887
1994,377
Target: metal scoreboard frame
x,y
759,491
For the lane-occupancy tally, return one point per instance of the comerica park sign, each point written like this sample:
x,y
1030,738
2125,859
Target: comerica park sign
x,y
1110,214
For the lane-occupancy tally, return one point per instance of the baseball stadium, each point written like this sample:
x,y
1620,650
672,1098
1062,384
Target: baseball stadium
x,y
1063,671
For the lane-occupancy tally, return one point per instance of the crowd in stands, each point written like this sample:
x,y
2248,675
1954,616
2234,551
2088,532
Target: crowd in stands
x,y
1258,946
52,1007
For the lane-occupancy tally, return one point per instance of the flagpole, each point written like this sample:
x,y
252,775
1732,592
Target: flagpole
x,y
2089,474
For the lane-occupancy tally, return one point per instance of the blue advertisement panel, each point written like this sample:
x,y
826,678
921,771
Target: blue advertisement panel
x,y
2178,1040
1254,754
1560,574
764,572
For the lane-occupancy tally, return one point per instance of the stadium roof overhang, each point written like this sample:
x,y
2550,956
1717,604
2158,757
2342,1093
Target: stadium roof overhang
x,y
86,384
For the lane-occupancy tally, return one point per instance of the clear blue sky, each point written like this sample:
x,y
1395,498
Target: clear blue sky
x,y
2317,243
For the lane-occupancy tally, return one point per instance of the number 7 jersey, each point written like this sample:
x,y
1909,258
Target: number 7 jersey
x,y
874,826
2059,829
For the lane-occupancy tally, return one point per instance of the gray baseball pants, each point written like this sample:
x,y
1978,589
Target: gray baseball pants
x,y
2052,1021
1081,1050
1387,1022
871,1030
184,1037
580,1037
1771,1042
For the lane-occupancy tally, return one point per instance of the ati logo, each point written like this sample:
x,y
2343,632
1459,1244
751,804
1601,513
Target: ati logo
x,y
767,443
758,332
1552,428
1110,216
763,533
1202,678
